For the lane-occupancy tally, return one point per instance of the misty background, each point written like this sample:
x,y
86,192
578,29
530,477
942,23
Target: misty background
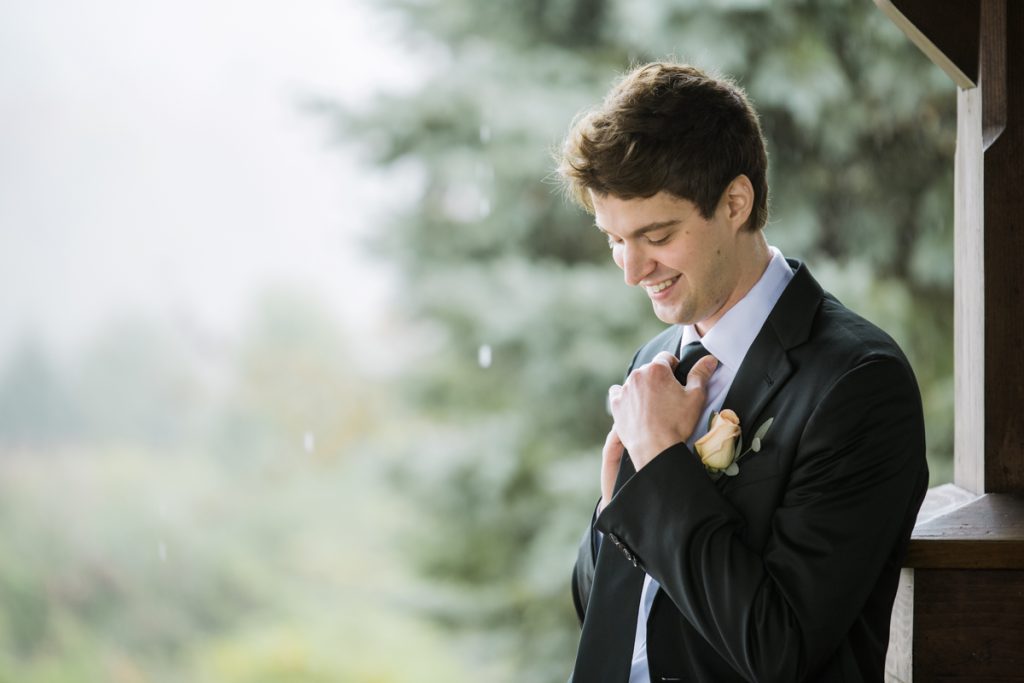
x,y
156,158
302,355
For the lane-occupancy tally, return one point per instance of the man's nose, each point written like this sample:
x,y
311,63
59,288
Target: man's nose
x,y
635,264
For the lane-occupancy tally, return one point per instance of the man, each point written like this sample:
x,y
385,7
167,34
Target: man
x,y
780,564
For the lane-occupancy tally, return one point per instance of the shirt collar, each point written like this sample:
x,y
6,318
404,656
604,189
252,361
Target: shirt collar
x,y
732,335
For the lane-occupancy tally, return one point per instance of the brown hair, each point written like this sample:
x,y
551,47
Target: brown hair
x,y
669,127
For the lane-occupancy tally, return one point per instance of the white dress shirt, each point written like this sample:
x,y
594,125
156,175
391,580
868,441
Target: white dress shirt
x,y
728,341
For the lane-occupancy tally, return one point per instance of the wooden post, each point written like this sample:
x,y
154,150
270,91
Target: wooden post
x,y
959,615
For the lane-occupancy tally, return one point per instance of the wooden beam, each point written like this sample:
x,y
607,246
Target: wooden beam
x,y
987,533
988,248
899,658
1002,90
968,626
940,501
960,603
969,295
947,32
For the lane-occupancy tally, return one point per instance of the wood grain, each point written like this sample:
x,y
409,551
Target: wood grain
x,y
1002,84
987,533
899,656
969,296
943,499
968,626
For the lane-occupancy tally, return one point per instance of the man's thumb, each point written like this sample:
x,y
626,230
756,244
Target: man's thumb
x,y
701,372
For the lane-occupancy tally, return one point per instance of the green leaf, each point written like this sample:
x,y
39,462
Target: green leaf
x,y
732,470
763,429
755,445
739,448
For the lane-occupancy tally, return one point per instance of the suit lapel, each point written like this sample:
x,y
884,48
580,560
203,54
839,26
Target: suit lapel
x,y
767,367
763,372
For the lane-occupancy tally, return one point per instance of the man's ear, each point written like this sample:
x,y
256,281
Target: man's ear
x,y
739,201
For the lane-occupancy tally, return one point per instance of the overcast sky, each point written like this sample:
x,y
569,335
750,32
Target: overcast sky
x,y
153,157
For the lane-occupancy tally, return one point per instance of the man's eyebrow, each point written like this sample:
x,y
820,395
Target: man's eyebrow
x,y
650,227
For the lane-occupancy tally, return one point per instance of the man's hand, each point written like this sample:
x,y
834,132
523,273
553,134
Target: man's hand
x,y
653,411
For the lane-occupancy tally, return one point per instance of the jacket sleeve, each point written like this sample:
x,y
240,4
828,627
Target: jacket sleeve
x,y
583,571
586,556
779,613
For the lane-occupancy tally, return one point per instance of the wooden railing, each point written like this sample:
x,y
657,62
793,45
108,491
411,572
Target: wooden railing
x,y
959,613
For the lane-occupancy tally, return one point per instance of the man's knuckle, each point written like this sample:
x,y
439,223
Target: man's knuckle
x,y
659,369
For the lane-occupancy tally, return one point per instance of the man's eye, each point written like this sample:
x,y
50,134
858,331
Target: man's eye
x,y
655,243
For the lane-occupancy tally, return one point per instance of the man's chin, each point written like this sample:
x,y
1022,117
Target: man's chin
x,y
671,315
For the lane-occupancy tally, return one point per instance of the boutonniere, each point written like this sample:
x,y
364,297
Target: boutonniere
x,y
722,447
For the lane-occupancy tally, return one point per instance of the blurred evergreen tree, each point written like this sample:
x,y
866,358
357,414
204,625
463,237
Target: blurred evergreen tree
x,y
522,321
37,411
136,383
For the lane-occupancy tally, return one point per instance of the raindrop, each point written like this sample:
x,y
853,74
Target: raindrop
x,y
309,442
485,207
161,551
483,356
485,133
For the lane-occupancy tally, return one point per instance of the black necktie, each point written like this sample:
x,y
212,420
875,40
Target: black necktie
x,y
691,353
606,644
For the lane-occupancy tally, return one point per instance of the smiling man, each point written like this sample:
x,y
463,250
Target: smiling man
x,y
768,548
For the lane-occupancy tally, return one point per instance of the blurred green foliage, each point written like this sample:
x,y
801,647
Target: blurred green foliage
x,y
497,268
211,513
117,568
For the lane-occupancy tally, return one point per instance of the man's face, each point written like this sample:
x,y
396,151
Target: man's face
x,y
687,264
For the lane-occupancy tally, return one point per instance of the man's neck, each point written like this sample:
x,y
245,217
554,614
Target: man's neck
x,y
752,267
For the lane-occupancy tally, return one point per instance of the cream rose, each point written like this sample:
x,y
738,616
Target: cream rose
x,y
717,448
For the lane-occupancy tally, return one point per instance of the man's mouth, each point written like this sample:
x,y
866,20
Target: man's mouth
x,y
663,285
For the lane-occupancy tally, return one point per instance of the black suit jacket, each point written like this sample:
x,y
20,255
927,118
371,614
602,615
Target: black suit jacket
x,y
787,571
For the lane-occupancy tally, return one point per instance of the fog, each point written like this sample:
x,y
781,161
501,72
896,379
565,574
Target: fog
x,y
155,157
